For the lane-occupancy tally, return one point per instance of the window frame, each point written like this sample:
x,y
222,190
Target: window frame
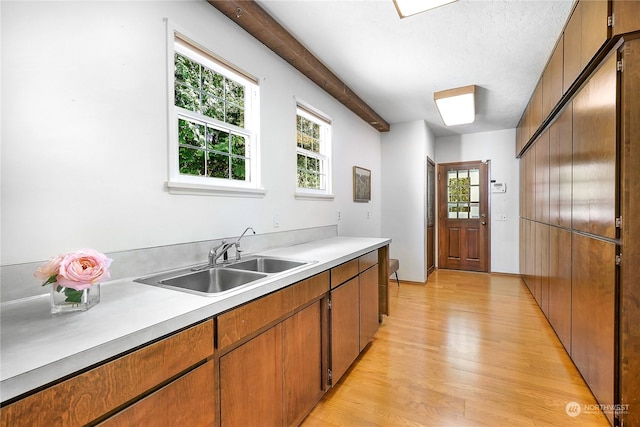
x,y
326,129
184,43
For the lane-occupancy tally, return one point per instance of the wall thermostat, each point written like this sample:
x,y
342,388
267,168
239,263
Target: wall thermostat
x,y
498,187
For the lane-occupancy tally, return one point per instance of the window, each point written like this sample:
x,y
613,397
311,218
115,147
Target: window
x,y
213,125
313,147
463,188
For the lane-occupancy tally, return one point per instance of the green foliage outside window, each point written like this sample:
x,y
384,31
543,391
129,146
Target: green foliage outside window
x,y
206,150
310,167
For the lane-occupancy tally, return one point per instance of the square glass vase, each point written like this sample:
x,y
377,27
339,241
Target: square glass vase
x,y
68,300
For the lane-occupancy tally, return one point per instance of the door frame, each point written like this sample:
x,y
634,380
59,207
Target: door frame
x,y
441,220
433,205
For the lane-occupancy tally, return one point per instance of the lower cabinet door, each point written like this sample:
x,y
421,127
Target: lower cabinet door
x,y
345,328
251,382
368,305
302,363
187,401
593,315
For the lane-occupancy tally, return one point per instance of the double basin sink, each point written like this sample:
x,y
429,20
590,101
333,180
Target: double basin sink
x,y
218,279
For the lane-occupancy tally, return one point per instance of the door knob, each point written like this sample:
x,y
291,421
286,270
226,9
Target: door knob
x,y
484,223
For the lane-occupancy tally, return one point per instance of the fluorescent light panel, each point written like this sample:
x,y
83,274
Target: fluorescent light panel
x,y
411,7
456,106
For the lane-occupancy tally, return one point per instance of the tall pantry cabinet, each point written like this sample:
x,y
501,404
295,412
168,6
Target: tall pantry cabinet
x,y
579,148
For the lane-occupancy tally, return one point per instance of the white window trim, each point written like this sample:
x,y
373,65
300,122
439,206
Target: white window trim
x,y
178,183
311,113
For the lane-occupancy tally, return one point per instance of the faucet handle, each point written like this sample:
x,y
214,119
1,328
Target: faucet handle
x,y
238,251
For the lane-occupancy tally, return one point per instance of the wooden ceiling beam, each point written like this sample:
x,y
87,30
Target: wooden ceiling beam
x,y
257,22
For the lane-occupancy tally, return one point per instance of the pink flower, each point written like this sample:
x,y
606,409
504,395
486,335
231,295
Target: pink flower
x,y
82,269
49,270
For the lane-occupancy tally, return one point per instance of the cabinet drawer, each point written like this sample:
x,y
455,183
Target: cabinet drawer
x,y
188,401
248,319
85,397
344,272
368,260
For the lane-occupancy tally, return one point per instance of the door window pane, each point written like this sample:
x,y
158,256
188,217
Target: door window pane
x,y
463,193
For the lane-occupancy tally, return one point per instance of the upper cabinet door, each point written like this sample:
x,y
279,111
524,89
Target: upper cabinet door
x,y
626,16
571,52
552,80
585,33
595,29
594,153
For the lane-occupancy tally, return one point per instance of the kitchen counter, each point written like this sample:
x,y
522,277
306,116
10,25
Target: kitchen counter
x,y
37,347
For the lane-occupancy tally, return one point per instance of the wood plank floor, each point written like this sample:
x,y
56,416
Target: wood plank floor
x,y
467,349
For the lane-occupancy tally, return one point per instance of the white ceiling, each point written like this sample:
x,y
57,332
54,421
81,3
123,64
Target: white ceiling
x,y
395,65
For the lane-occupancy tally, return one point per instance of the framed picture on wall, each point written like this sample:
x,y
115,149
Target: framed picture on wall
x,y
361,184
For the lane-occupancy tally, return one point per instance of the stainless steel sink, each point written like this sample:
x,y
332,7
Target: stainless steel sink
x,y
214,280
266,265
205,282
222,278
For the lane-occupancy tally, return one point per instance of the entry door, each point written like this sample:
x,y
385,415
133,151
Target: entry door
x,y
463,216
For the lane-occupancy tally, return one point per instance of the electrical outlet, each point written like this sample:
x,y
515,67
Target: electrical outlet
x,y
339,215
368,215
276,220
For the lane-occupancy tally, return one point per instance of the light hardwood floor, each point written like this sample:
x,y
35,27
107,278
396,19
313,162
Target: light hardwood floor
x,y
467,349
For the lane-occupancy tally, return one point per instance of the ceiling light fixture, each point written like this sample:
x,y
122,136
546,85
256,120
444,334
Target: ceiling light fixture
x,y
456,106
411,7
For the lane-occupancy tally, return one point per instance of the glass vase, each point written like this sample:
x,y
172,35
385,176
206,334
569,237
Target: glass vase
x,y
66,300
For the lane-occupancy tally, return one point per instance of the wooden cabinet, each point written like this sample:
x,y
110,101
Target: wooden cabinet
x,y
626,16
188,401
541,182
571,51
368,305
91,395
552,79
585,33
251,382
542,266
274,376
594,196
354,310
629,270
559,312
303,363
594,153
593,319
561,168
345,327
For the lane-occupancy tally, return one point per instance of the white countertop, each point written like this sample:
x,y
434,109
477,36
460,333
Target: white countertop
x,y
37,347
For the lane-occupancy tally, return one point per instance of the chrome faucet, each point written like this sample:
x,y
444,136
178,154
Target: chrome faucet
x,y
237,242
214,255
222,251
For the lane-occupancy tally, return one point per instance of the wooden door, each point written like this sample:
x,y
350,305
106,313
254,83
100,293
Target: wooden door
x,y
430,237
345,328
463,216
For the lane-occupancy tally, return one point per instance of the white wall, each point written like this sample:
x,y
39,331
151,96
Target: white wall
x,y
404,158
84,133
499,147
